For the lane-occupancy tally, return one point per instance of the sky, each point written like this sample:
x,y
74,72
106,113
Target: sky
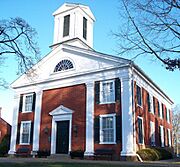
x,y
38,13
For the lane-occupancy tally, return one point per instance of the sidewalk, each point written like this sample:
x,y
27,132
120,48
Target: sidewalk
x,y
163,163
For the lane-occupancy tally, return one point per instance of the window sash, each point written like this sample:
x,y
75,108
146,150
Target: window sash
x,y
140,131
152,133
162,135
84,28
25,132
107,129
169,137
139,95
107,92
28,102
66,25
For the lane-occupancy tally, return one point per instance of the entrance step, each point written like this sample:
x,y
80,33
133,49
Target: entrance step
x,y
60,156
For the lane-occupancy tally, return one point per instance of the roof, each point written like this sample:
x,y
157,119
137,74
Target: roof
x,y
70,6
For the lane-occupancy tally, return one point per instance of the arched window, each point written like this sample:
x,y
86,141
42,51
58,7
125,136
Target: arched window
x,y
63,65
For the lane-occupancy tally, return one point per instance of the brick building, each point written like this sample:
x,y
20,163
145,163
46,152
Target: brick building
x,y
81,99
5,128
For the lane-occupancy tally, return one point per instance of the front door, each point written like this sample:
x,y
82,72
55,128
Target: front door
x,y
62,137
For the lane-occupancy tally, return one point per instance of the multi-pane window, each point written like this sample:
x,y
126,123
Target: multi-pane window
x,y
150,102
140,131
107,129
25,132
169,137
162,110
152,133
139,95
28,102
84,28
168,115
66,25
107,91
63,65
161,135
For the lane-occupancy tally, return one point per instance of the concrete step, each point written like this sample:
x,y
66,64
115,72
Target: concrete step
x,y
60,156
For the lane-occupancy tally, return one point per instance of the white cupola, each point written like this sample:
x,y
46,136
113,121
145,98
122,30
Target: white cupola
x,y
73,24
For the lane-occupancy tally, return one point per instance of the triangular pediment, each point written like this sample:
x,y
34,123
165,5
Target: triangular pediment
x,y
85,62
61,110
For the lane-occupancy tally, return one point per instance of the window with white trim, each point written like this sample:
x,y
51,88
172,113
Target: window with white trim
x,y
140,131
66,26
25,132
160,110
150,103
107,91
169,137
168,115
152,133
28,102
108,129
161,128
64,65
139,95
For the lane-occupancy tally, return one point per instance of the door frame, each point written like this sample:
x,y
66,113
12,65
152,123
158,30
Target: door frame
x,y
60,114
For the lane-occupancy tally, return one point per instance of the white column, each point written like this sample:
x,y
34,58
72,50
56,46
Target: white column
x,y
128,148
14,125
89,119
37,120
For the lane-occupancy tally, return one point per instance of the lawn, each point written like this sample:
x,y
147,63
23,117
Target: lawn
x,y
72,164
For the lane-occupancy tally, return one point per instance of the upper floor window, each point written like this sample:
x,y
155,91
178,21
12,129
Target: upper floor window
x,y
107,129
84,28
139,95
169,137
150,103
168,115
64,65
27,102
162,110
25,132
66,26
107,90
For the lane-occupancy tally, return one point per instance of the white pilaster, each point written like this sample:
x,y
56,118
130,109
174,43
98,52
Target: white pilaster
x,y
37,120
14,125
128,148
89,119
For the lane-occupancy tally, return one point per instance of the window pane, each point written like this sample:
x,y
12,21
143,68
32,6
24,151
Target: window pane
x,y
139,98
66,25
25,132
28,102
84,28
107,129
108,92
140,130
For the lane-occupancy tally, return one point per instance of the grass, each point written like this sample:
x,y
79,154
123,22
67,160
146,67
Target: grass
x,y
72,164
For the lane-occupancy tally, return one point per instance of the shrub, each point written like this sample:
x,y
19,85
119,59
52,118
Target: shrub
x,y
4,145
43,153
77,153
154,154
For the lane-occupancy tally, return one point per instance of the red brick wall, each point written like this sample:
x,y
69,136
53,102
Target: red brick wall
x,y
24,117
147,117
74,98
100,109
5,129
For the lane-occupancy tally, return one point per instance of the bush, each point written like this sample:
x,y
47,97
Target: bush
x,y
154,154
78,153
4,145
43,153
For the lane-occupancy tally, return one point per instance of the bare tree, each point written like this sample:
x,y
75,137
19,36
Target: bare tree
x,y
151,28
17,39
176,127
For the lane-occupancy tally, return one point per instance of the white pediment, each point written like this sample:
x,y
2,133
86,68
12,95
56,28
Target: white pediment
x,y
61,110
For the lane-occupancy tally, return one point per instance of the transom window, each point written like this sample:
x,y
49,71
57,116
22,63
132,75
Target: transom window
x,y
107,129
64,65
25,132
107,89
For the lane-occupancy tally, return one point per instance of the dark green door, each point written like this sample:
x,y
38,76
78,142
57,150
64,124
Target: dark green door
x,y
62,137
